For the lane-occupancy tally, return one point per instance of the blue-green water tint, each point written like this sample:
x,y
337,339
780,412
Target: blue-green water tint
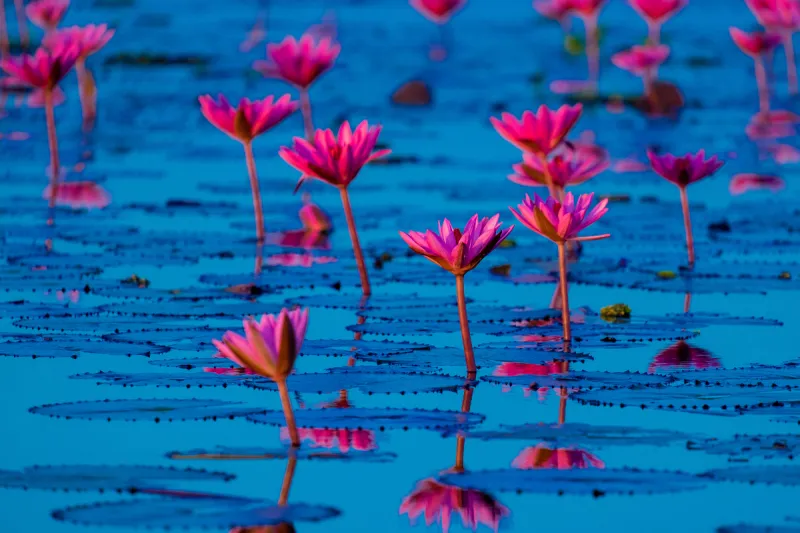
x,y
181,218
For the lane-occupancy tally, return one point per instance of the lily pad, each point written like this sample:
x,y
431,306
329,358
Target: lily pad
x,y
160,379
755,376
186,337
255,453
783,474
746,447
356,302
374,418
54,346
101,477
485,356
345,348
187,308
152,409
369,380
577,434
584,380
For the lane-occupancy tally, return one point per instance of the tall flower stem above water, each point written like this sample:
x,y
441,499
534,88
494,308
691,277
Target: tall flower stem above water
x,y
763,86
757,45
687,223
592,50
791,66
257,208
52,141
86,92
286,403
469,353
4,43
359,255
562,270
22,24
305,109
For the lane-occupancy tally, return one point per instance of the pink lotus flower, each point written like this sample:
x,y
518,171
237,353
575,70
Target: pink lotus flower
x,y
588,8
249,119
47,14
682,355
742,183
361,440
456,251
438,11
776,14
561,221
314,219
657,11
542,456
437,501
683,171
756,43
570,168
641,60
336,160
80,195
45,69
299,62
90,39
538,133
528,369
553,9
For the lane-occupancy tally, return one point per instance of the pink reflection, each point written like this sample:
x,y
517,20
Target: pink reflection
x,y
298,260
437,501
772,125
361,440
80,195
300,238
571,86
741,183
255,36
528,369
73,296
783,153
544,457
629,164
36,98
682,355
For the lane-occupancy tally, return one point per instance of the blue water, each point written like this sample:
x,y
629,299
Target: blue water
x,y
151,144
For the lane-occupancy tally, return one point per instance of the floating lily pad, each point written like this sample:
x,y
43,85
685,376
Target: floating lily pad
x,y
369,380
73,346
760,375
345,348
255,453
427,328
270,278
576,434
783,474
596,482
357,302
89,324
584,380
189,308
160,379
721,319
746,447
484,356
156,410
194,511
26,309
702,398
102,477
477,313
184,336
190,363
375,418
780,412
748,528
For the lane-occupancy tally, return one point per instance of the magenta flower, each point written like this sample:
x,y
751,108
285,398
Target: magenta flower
x,y
779,15
47,14
438,11
45,69
542,457
270,349
529,369
299,62
459,252
538,133
249,119
89,38
569,168
683,171
755,43
588,8
657,11
641,60
561,222
683,355
437,501
80,195
337,160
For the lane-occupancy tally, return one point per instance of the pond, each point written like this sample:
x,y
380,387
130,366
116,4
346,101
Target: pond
x,y
678,409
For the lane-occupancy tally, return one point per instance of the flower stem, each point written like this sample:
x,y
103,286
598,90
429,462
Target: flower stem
x,y
548,178
22,23
687,302
286,402
305,109
763,86
351,226
461,440
687,223
251,170
592,49
653,33
562,267
469,354
288,476
791,67
259,258
52,140
86,93
4,43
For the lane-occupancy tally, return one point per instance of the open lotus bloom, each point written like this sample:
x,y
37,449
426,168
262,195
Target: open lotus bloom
x,y
271,345
80,195
640,60
438,11
299,62
437,502
47,14
335,159
45,68
541,132
657,11
683,171
542,456
570,168
249,119
756,43
455,250
776,14
561,222
553,9
90,38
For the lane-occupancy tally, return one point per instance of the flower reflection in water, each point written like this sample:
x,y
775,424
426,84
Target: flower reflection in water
x,y
80,195
438,501
285,527
683,355
345,440
541,456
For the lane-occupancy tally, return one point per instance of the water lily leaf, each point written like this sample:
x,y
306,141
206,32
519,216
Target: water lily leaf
x,y
583,380
345,348
786,413
369,380
191,309
194,511
191,363
238,453
103,477
746,447
356,302
754,376
485,356
783,474
153,409
53,346
596,482
427,328
160,379
185,337
748,528
91,324
26,309
374,418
